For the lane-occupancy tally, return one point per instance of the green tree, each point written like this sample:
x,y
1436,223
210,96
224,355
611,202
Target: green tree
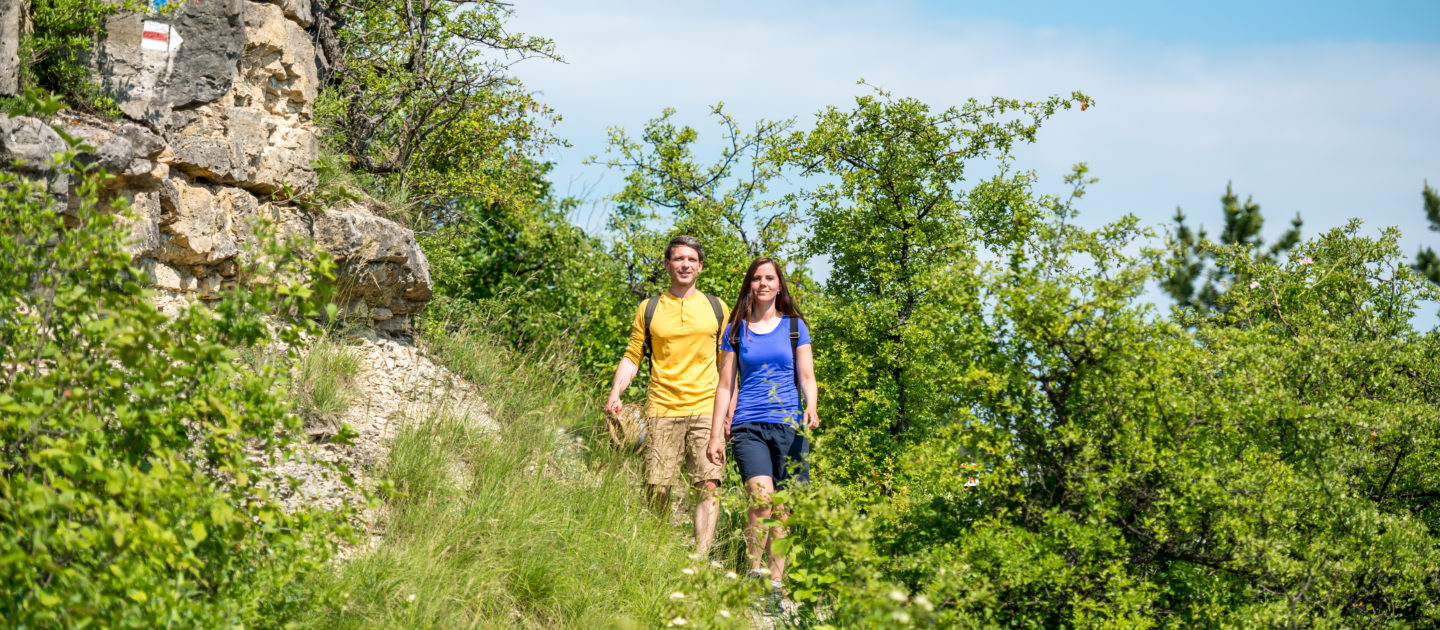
x,y
128,493
668,191
903,235
1427,262
1262,469
1193,256
420,95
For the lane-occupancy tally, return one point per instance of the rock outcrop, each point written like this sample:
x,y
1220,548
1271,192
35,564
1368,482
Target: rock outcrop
x,y
10,16
219,98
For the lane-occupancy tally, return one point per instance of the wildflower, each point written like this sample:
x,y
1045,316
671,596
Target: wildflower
x,y
1306,261
695,556
678,621
731,575
901,616
924,602
724,613
411,598
1254,284
688,571
897,596
677,595
716,564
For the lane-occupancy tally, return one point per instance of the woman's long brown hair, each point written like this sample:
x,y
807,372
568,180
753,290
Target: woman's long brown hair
x,y
784,302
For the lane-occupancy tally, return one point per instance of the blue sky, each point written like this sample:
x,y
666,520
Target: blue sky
x,y
1331,110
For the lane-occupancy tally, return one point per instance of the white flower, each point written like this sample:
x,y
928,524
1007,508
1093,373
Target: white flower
x,y
897,596
678,621
731,575
724,613
716,564
688,571
1254,284
695,556
411,598
901,616
924,602
677,595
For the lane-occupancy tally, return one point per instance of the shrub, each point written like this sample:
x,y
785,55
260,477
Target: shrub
x,y
128,497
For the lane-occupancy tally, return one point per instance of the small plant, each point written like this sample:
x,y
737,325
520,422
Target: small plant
x,y
324,383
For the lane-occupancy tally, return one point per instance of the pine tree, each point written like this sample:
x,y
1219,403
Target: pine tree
x,y
1427,262
1193,255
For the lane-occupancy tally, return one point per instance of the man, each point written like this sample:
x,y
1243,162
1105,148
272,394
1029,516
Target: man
x,y
683,332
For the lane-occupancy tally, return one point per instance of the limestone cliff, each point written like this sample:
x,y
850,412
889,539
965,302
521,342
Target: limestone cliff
x,y
218,99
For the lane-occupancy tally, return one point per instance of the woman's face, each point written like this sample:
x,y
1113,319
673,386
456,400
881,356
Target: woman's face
x,y
765,285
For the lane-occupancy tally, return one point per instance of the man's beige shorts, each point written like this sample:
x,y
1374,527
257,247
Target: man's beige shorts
x,y
669,441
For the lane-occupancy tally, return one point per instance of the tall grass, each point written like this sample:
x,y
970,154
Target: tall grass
x,y
499,529
324,382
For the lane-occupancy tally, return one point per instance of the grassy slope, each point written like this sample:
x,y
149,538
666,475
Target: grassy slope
x,y
497,531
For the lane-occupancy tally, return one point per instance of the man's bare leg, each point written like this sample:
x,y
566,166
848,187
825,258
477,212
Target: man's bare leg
x,y
707,510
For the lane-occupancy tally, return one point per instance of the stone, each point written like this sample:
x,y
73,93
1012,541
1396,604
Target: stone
x,y
148,82
143,223
209,285
260,135
28,144
380,312
166,277
394,324
136,156
377,261
10,28
27,149
199,222
301,11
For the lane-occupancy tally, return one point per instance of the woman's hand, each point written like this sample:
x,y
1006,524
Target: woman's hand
x,y
715,451
812,420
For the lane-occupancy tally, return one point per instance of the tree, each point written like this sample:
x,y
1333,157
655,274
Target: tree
x,y
419,93
1427,262
1193,256
668,192
904,237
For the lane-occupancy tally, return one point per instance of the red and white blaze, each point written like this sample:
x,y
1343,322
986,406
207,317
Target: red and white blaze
x,y
156,36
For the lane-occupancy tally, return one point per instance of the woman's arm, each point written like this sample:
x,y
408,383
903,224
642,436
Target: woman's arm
x,y
805,363
720,414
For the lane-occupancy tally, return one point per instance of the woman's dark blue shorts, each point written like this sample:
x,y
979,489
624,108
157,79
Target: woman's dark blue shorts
x,y
772,449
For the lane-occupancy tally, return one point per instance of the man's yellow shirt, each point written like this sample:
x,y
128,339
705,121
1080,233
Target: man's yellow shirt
x,y
683,371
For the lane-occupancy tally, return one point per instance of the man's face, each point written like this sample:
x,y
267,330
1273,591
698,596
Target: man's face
x,y
684,264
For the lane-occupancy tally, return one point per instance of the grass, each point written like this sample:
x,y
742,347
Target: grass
x,y
324,383
502,529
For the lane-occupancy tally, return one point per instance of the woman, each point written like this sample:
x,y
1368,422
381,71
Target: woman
x,y
757,349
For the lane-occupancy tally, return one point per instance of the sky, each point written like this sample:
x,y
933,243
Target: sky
x,y
1328,109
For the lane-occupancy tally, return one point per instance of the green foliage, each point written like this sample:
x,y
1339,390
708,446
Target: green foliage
x,y
1193,256
324,382
1427,262
55,54
515,528
420,96
668,192
1264,469
127,494
898,313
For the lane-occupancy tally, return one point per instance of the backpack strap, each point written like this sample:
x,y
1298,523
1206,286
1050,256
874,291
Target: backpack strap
x,y
649,316
795,358
719,324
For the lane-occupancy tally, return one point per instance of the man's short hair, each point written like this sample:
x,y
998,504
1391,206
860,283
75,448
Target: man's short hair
x,y
688,241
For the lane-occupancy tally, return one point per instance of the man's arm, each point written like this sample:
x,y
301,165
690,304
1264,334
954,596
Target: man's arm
x,y
630,364
624,373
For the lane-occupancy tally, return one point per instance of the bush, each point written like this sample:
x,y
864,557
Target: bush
x,y
128,497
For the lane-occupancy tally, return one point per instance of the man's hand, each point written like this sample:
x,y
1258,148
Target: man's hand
x,y
812,420
715,451
613,405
